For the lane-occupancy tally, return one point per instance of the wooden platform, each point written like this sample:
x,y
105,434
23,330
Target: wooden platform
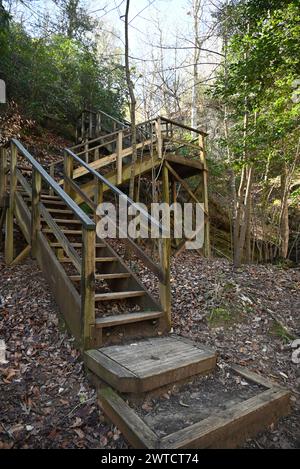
x,y
210,418
149,364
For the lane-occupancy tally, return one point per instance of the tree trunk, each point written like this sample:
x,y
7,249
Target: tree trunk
x,y
284,218
132,103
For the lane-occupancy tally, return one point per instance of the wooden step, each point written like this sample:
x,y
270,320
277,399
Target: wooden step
x,y
210,414
122,295
76,245
128,318
147,364
65,221
60,211
49,202
66,260
77,278
67,232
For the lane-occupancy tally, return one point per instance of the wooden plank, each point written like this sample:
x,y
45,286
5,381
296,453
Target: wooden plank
x,y
159,140
56,230
77,278
25,185
60,236
174,361
110,371
106,160
22,256
66,295
22,215
120,319
76,245
35,209
119,295
207,248
165,254
3,173
230,427
77,190
131,425
9,225
88,286
254,377
119,157
183,183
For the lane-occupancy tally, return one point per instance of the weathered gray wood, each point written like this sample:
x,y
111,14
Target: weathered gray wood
x,y
134,428
9,226
60,236
128,318
35,211
151,363
119,295
165,255
230,427
22,256
88,286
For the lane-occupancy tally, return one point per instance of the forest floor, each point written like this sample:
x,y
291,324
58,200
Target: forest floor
x,y
46,400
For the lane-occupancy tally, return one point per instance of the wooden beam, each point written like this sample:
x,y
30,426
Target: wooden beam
x,y
165,254
9,226
68,173
22,256
119,157
88,286
35,211
207,249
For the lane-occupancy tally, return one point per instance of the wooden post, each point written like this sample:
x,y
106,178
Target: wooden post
x,y
9,226
205,197
165,252
51,172
68,171
159,142
35,211
119,157
98,197
86,149
88,286
3,176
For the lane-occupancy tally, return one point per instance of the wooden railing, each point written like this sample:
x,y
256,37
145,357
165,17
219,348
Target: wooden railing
x,y
162,270
41,180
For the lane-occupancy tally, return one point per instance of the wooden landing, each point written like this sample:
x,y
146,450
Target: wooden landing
x,y
148,364
200,417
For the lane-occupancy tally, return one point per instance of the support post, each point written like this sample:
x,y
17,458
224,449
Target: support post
x,y
159,142
88,286
35,211
98,197
119,157
165,254
204,175
68,171
9,226
3,175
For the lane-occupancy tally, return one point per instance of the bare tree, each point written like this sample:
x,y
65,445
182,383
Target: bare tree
x,y
132,102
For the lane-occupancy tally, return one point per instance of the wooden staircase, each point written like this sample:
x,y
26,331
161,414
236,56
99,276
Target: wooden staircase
x,y
124,332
